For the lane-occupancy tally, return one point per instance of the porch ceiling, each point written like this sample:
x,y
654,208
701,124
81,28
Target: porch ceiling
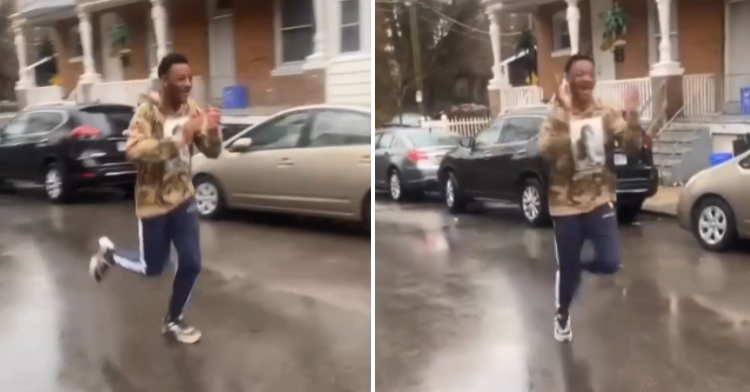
x,y
35,11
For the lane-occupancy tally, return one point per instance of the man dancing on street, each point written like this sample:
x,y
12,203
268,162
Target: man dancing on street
x,y
165,128
582,181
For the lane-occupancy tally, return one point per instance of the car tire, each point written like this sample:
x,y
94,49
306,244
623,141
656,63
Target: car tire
x,y
453,195
57,187
210,199
628,212
395,186
533,203
714,225
367,214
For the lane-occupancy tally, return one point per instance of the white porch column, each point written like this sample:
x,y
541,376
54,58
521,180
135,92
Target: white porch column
x,y
498,77
666,66
89,69
25,81
573,16
159,18
317,58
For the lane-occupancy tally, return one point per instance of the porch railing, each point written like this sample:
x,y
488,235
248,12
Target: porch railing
x,y
700,94
513,97
129,92
612,92
43,95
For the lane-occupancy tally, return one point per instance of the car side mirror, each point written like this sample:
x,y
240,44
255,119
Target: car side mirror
x,y
241,145
467,142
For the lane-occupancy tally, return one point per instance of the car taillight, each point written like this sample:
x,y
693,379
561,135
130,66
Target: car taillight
x,y
416,156
85,133
648,141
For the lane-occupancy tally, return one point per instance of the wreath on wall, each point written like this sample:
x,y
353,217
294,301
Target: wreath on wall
x,y
120,40
615,26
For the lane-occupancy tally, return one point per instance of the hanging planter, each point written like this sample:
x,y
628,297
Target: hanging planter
x,y
615,26
120,40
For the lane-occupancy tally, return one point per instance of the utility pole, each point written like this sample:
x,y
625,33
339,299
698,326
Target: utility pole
x,y
417,56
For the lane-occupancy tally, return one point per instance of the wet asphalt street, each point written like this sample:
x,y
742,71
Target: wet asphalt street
x,y
284,305
466,305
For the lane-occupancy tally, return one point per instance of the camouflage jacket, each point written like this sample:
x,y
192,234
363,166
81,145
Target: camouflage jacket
x,y
160,187
574,187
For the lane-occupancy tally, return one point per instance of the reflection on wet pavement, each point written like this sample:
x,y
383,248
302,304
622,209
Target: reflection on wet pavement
x,y
466,304
284,306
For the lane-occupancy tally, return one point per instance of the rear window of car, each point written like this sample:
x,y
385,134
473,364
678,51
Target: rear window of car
x,y
111,121
432,138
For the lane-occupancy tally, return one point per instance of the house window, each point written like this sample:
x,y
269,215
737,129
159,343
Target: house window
x,y
350,26
296,28
560,32
74,45
655,28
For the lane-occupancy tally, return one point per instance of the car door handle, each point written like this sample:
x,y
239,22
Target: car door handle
x,y
519,153
285,162
486,154
42,143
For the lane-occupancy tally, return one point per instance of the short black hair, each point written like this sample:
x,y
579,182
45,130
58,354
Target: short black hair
x,y
168,61
576,58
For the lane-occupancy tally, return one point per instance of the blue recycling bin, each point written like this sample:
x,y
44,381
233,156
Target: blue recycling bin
x,y
235,97
720,157
745,100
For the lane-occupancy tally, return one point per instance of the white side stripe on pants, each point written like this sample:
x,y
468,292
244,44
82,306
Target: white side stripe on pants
x,y
137,266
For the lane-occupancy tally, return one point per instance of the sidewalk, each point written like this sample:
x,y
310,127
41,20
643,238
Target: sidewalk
x,y
664,202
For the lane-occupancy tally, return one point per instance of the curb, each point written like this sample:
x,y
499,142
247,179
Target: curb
x,y
660,214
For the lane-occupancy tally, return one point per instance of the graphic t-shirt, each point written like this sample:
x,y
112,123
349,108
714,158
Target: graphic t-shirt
x,y
173,126
587,141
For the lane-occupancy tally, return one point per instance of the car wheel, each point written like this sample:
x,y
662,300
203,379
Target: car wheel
x,y
56,185
366,215
395,185
627,213
714,225
455,200
209,198
533,203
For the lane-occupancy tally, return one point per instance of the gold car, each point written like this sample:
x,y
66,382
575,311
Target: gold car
x,y
311,160
714,204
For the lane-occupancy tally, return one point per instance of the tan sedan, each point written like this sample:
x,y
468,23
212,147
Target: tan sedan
x,y
312,160
715,204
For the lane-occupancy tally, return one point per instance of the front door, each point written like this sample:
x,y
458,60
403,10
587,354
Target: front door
x,y
738,51
221,48
267,175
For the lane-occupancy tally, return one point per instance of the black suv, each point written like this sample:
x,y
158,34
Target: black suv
x,y
68,147
503,162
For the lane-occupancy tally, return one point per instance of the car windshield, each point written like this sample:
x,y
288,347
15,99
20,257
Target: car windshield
x,y
432,138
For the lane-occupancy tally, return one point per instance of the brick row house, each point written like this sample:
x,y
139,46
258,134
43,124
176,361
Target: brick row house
x,y
286,52
700,63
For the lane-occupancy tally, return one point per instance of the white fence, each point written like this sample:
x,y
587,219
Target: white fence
x,y
511,98
42,95
466,127
612,92
699,94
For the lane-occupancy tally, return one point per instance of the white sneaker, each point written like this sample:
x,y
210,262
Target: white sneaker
x,y
181,331
563,332
102,260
